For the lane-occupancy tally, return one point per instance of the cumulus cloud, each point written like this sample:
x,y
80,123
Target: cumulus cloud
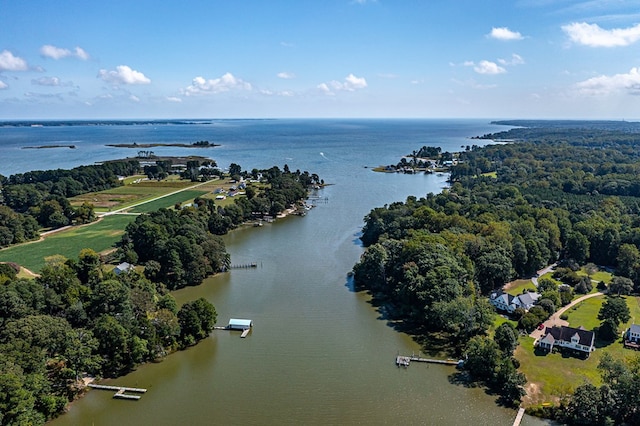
x,y
3,85
515,60
134,98
10,62
53,52
593,35
173,99
605,85
286,75
123,75
504,34
351,83
227,82
488,67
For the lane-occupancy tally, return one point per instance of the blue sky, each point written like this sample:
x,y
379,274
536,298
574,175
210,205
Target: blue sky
x,y
319,58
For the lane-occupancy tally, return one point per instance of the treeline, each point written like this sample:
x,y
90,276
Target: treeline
x,y
176,248
435,259
39,199
181,248
75,319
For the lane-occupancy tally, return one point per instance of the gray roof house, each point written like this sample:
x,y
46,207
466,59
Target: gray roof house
x,y
123,267
632,337
509,303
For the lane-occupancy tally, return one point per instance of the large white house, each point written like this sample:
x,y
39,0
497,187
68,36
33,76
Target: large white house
x,y
577,339
508,303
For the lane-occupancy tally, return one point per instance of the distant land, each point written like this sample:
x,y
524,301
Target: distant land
x,y
199,144
49,146
150,122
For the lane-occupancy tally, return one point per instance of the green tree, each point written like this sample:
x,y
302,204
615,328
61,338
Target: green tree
x,y
616,309
506,337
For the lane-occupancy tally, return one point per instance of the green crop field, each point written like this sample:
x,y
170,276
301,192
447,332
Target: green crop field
x,y
168,201
98,236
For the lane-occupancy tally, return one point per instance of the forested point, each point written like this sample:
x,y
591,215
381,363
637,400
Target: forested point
x,y
82,319
567,193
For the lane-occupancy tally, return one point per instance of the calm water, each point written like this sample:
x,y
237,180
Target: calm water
x,y
319,353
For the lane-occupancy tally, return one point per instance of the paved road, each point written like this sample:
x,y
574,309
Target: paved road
x,y
555,318
541,272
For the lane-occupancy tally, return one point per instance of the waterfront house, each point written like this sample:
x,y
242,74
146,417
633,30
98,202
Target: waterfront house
x,y
508,303
577,339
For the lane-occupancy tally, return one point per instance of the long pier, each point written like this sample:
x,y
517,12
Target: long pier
x,y
244,265
405,361
120,391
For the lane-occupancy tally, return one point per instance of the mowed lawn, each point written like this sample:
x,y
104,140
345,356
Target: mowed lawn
x,y
169,201
552,375
98,236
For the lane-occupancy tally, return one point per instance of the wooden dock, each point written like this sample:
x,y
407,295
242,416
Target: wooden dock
x,y
519,417
245,332
405,361
120,391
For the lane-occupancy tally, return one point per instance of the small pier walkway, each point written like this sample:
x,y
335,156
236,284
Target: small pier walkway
x,y
518,419
405,361
120,391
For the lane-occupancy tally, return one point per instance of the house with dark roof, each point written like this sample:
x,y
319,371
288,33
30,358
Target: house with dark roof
x,y
577,339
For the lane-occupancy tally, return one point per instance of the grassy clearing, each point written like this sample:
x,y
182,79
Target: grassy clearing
x,y
168,201
97,236
553,375
518,286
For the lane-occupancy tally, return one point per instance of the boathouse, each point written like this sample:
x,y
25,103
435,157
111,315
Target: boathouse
x,y
240,324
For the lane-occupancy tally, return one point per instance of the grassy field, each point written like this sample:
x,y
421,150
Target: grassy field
x,y
168,201
553,375
518,286
98,236
127,195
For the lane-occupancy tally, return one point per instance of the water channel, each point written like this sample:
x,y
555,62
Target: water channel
x,y
319,353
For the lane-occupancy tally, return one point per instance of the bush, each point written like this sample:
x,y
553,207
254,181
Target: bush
x,y
564,316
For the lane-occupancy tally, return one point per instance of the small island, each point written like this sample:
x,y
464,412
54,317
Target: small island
x,y
49,146
198,144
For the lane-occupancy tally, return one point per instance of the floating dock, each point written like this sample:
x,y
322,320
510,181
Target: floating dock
x,y
120,391
405,361
245,332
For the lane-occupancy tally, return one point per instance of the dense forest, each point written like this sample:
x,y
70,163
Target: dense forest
x,y
76,319
560,193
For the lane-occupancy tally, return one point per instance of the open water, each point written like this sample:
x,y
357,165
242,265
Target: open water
x,y
319,353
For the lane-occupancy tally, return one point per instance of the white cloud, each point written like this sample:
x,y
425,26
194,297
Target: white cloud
x,y
227,82
9,62
173,99
286,75
3,85
123,75
505,34
351,83
515,60
54,52
134,98
50,81
605,85
488,67
593,35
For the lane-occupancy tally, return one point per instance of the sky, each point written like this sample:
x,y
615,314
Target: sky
x,y
495,59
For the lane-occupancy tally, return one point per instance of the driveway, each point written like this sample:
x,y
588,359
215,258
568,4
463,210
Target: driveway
x,y
555,318
541,272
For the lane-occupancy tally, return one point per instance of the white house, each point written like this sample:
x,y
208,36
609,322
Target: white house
x,y
123,268
508,303
577,339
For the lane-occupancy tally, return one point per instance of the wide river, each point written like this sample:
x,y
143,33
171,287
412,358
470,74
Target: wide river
x,y
319,353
